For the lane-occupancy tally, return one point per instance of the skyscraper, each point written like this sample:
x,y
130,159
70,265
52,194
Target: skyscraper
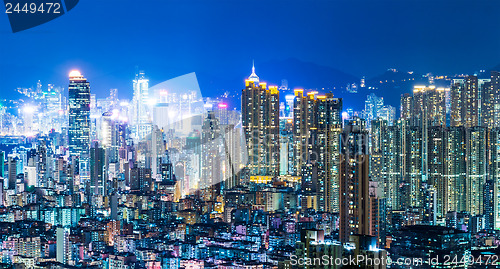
x,y
392,164
495,173
326,149
435,166
98,175
455,169
472,103
211,156
141,118
316,130
260,121
457,102
79,115
354,181
476,169
495,91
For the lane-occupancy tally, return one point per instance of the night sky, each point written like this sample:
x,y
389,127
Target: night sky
x,y
107,39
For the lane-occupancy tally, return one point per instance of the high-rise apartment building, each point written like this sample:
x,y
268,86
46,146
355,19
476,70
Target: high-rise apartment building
x,y
260,121
316,134
476,142
354,181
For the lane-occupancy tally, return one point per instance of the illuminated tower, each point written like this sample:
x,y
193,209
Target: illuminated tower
x,y
260,121
390,147
97,171
354,181
316,132
326,145
141,117
211,156
476,169
435,160
413,165
472,102
406,106
79,115
495,173
495,92
455,169
457,102
373,106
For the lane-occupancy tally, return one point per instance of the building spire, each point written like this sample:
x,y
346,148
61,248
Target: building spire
x,y
253,77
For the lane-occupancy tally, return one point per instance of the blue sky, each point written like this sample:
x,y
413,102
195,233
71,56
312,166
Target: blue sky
x,y
106,39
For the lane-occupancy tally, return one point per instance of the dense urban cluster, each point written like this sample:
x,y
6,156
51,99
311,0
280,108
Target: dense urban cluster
x,y
170,179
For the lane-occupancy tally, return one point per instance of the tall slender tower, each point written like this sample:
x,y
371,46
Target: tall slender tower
x,y
141,117
354,181
260,121
476,158
316,131
472,102
457,103
79,115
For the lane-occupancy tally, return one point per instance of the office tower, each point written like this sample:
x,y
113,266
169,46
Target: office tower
x,y
455,169
222,113
354,181
79,115
141,118
457,102
476,158
63,245
435,165
494,171
98,174
110,139
260,121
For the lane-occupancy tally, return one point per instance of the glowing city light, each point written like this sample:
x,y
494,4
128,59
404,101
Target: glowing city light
x,y
29,109
74,73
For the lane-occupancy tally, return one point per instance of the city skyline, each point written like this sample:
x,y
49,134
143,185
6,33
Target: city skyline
x,y
250,134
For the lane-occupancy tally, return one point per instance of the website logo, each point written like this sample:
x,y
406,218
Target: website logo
x,y
26,14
